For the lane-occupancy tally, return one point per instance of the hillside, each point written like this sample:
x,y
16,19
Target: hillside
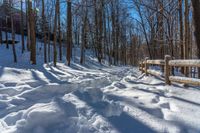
x,y
91,98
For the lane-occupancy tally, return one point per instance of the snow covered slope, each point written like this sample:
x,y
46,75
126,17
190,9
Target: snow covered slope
x,y
91,99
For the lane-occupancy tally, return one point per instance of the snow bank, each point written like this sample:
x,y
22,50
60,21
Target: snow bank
x,y
92,98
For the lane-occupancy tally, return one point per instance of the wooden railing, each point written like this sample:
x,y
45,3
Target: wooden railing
x,y
166,69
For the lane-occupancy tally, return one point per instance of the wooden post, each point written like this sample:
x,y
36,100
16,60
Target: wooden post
x,y
172,68
146,66
167,69
142,67
140,64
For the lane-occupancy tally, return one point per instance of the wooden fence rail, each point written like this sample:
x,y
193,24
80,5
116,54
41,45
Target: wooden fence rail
x,y
166,69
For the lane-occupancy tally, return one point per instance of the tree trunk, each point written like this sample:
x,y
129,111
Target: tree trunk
x,y
22,27
44,31
13,32
54,35
100,38
96,43
1,41
161,30
84,37
28,26
32,33
186,44
69,31
59,33
49,46
7,45
196,14
181,31
113,33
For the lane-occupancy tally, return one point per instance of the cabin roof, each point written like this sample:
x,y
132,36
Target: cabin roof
x,y
4,11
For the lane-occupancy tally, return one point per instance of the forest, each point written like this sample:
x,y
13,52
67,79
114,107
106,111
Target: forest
x,y
122,32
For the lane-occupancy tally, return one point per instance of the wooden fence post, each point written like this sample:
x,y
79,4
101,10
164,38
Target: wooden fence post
x,y
167,70
142,67
146,66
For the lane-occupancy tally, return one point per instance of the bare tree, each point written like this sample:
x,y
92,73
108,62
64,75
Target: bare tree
x,y
54,34
69,31
32,33
13,32
22,27
44,31
196,14
84,34
59,33
187,34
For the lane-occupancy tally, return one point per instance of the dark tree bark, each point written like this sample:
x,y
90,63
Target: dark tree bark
x,y
28,26
13,32
22,27
59,33
113,32
54,35
196,17
187,32
69,31
84,37
161,30
44,32
32,33
181,31
7,45
1,37
181,28
49,48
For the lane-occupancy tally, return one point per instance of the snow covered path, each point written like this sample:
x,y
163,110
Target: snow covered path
x,y
91,99
80,100
24,92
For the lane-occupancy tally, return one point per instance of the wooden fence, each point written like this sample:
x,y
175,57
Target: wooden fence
x,y
167,66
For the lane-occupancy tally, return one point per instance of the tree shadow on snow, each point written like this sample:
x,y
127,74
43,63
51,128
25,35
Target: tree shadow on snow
x,y
155,112
152,84
138,82
127,124
122,122
173,97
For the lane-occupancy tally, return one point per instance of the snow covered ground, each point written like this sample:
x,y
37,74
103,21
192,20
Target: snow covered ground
x,y
91,99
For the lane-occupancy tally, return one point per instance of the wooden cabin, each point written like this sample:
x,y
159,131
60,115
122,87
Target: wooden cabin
x,y
5,21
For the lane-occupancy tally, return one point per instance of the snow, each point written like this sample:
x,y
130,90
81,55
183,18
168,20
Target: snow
x,y
92,98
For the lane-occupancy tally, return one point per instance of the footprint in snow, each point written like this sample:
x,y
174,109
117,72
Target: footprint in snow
x,y
95,98
165,105
10,84
127,79
2,86
157,112
141,103
136,97
155,100
111,87
120,85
